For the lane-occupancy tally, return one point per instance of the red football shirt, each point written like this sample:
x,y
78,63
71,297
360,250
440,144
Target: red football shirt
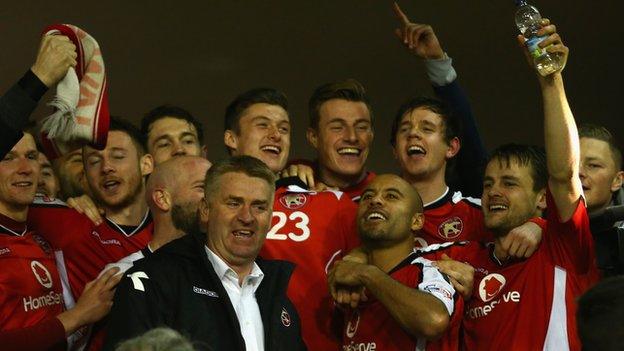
x,y
452,217
86,248
30,286
530,304
371,327
355,191
312,230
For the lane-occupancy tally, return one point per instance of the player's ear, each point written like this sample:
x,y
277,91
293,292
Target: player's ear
x,y
162,199
204,210
230,139
146,164
453,148
418,220
541,200
312,136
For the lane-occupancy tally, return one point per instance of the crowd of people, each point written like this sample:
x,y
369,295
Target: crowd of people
x,y
144,244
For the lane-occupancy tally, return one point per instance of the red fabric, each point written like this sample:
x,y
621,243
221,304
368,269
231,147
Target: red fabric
x,y
511,304
47,335
312,230
452,218
31,295
92,109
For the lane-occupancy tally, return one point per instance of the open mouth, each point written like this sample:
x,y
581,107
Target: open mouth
x,y
349,151
376,216
415,150
23,184
243,233
497,208
272,149
111,185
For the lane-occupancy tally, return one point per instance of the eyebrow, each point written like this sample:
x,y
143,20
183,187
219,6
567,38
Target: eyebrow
x,y
394,190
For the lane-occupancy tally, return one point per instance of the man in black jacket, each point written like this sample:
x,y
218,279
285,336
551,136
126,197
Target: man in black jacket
x,y
210,287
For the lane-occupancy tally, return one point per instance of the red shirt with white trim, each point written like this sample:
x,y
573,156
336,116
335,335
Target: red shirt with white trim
x,y
86,248
530,304
452,218
31,294
371,327
312,230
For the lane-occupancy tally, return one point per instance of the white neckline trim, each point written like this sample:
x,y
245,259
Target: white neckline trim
x,y
14,232
439,198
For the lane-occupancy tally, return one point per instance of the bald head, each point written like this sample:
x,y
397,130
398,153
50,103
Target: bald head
x,y
176,176
390,212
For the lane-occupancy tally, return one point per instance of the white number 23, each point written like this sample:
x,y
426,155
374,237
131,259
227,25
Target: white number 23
x,y
301,222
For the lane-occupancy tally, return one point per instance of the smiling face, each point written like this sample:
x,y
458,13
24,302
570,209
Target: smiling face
x,y
238,216
19,172
264,133
599,174
342,138
115,174
421,148
390,211
508,198
169,137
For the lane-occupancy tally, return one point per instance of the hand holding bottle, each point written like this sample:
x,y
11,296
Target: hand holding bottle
x,y
552,44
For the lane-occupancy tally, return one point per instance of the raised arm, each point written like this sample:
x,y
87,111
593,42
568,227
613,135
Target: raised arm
x,y
560,132
421,41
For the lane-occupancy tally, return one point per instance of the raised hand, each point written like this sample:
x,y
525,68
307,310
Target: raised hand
x,y
552,43
56,54
419,39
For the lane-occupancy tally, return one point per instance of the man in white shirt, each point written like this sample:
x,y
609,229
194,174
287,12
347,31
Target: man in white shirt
x,y
211,286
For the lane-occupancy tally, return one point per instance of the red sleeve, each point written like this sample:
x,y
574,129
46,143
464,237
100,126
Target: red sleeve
x,y
570,244
53,222
348,223
46,335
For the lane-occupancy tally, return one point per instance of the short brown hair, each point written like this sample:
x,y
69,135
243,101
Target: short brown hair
x,y
247,165
349,89
593,131
235,109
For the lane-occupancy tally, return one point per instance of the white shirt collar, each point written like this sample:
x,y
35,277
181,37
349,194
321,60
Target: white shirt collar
x,y
222,269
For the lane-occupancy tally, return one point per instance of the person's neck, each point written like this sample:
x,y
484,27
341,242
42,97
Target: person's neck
x,y
241,269
429,188
16,213
597,210
386,258
339,181
131,215
164,231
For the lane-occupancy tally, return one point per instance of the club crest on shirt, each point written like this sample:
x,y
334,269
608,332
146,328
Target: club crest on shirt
x,y
285,317
451,228
353,324
42,274
490,286
293,201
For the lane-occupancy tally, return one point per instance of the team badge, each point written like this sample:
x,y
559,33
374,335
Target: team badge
x,y
42,274
293,201
285,317
353,324
451,228
490,286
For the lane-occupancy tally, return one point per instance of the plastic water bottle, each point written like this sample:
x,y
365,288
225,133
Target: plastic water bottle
x,y
528,21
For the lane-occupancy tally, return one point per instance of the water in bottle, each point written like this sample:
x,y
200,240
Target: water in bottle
x,y
528,21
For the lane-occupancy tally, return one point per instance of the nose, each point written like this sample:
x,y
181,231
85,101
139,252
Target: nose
x,y
178,149
25,167
582,172
244,215
107,166
350,135
274,133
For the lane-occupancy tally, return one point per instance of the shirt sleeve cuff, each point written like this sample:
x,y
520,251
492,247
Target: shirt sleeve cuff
x,y
441,71
32,85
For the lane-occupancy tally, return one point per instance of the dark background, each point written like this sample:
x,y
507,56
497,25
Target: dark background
x,y
200,55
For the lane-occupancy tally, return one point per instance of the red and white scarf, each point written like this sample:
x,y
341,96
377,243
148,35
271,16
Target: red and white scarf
x,y
81,103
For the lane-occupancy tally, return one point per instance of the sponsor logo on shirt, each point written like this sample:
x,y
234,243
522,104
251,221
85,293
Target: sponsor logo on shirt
x,y
293,201
368,346
107,241
206,292
42,274
490,288
353,324
285,317
432,289
50,299
451,228
4,251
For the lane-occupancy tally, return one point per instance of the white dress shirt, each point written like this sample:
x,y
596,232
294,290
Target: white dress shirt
x,y
243,300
